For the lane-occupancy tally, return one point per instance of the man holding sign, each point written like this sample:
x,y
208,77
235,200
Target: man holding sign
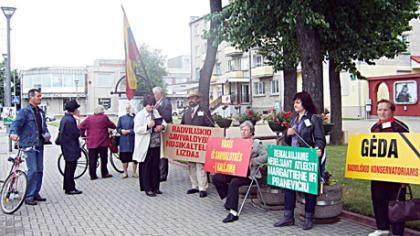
x,y
228,186
196,115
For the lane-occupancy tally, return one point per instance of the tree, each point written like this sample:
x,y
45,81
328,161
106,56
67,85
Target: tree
x,y
207,70
152,72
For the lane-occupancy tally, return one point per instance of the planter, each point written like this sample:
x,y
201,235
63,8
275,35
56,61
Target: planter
x,y
328,207
273,197
276,127
327,127
254,122
223,122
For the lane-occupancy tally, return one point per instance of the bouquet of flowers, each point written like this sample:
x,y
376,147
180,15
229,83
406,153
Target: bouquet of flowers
x,y
279,121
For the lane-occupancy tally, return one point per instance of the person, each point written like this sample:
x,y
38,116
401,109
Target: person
x,y
148,127
125,129
404,96
96,127
196,115
383,192
30,129
228,186
305,131
69,135
164,107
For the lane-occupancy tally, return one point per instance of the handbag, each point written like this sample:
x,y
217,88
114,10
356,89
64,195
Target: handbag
x,y
111,146
401,211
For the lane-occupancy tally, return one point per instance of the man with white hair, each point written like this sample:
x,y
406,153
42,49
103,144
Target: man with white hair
x,y
96,127
164,107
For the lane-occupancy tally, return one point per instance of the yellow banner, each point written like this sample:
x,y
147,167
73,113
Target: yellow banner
x,y
392,157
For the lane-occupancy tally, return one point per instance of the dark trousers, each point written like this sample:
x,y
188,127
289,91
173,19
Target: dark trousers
x,y
93,161
382,194
164,169
69,169
149,171
228,186
290,201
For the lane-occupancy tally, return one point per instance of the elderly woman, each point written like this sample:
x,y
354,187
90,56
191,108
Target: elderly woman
x,y
97,126
383,192
148,127
228,186
70,145
125,129
306,131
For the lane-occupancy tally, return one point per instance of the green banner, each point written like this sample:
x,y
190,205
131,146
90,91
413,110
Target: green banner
x,y
293,168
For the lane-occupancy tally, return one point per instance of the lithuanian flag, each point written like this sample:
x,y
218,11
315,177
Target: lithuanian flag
x,y
132,58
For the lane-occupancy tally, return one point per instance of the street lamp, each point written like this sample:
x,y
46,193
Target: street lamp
x,y
8,12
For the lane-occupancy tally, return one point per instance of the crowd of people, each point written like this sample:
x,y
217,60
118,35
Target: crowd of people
x,y
140,142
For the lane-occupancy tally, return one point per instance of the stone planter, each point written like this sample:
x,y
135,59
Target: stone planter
x,y
223,122
273,197
327,127
275,127
328,207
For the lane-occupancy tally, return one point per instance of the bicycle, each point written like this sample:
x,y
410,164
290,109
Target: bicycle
x,y
14,188
83,163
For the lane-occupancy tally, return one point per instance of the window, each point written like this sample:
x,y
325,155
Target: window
x,y
106,102
234,64
27,81
274,87
46,81
104,80
217,69
68,80
404,38
258,60
57,80
244,63
259,88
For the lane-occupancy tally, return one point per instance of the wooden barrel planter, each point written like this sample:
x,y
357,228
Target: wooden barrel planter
x,y
273,197
328,207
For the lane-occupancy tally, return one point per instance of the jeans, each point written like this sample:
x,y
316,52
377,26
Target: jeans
x,y
290,201
35,164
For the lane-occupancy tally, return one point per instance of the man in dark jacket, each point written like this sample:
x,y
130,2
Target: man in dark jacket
x,y
70,145
196,115
164,107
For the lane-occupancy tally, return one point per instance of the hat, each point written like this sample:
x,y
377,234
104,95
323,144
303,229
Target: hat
x,y
195,93
71,105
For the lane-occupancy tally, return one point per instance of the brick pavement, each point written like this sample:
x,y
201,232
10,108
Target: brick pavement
x,y
115,206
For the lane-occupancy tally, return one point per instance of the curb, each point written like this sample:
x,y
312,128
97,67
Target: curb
x,y
369,221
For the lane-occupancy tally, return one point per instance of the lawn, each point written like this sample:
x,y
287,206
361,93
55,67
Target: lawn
x,y
356,192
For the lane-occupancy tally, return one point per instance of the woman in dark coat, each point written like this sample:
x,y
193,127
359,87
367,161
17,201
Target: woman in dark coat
x,y
306,131
125,128
70,145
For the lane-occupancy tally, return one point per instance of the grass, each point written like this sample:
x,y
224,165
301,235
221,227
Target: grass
x,y
356,193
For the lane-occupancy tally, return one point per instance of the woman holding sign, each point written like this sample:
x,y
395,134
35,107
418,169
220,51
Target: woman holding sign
x,y
148,126
384,192
306,131
228,186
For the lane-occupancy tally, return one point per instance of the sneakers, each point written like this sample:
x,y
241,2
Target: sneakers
x,y
379,232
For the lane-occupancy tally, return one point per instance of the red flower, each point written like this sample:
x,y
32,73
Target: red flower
x,y
288,114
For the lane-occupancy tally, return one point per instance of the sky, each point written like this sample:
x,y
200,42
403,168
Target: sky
x,y
76,32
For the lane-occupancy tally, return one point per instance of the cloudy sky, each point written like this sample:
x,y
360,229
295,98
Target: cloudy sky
x,y
76,32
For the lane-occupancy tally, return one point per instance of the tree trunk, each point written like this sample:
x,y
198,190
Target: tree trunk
x,y
290,87
207,69
335,97
311,59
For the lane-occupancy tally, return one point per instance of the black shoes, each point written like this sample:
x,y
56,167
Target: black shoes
x,y
107,176
158,192
230,218
193,190
203,194
73,192
31,202
93,178
40,199
150,194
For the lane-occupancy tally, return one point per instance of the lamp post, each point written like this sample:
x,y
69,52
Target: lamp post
x,y
8,12
76,82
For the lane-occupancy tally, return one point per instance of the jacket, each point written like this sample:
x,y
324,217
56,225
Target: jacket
x,y
126,142
165,109
26,128
201,118
396,126
97,130
259,156
143,133
69,138
312,135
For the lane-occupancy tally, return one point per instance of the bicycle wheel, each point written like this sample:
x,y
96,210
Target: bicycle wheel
x,y
81,168
13,192
116,162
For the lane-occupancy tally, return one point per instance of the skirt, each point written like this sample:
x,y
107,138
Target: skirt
x,y
126,157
